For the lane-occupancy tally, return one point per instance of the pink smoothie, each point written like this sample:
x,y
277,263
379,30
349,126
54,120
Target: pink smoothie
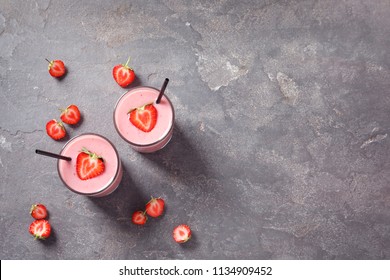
x,y
100,185
159,136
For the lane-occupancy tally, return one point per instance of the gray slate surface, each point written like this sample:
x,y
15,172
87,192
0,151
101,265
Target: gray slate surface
x,y
281,148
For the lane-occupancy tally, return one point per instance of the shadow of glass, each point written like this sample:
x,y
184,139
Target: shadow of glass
x,y
181,157
120,204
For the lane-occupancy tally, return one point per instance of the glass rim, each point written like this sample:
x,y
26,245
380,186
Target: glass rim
x,y
153,143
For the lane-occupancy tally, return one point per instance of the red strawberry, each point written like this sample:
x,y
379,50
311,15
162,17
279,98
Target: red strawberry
x,y
144,117
55,130
155,207
123,74
56,68
38,211
182,233
89,165
70,115
139,218
40,229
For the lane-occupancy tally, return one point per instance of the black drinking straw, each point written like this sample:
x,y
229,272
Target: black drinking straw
x,y
164,86
52,155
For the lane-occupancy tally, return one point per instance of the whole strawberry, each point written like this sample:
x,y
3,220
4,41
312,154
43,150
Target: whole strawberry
x,y
56,68
123,74
38,211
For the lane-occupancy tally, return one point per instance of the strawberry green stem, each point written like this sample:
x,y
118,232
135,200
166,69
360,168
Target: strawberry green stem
x,y
92,155
152,199
140,108
64,110
85,150
32,208
149,201
128,60
48,60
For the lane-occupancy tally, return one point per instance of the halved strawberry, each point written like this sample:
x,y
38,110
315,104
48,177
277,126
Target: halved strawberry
x,y
70,115
56,68
139,218
155,207
89,165
123,74
144,117
40,229
38,211
182,233
55,130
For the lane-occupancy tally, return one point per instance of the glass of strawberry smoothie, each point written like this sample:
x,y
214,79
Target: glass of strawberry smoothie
x,y
140,121
81,175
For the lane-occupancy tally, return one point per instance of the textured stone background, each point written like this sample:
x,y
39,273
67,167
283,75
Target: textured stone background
x,y
281,148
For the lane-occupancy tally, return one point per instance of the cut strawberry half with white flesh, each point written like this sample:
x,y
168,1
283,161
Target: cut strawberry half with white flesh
x,y
155,207
89,165
55,129
182,233
40,229
38,211
144,117
123,74
56,68
139,218
70,115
